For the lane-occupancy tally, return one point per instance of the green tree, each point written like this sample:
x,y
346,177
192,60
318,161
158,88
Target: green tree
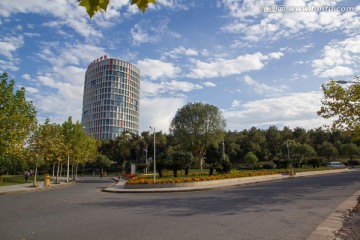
x,y
17,120
180,160
302,153
213,157
349,150
251,159
46,144
92,6
274,142
327,150
254,141
83,148
103,161
300,135
232,145
343,105
70,142
197,126
127,147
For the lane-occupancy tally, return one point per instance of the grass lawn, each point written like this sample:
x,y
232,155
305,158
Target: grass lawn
x,y
7,180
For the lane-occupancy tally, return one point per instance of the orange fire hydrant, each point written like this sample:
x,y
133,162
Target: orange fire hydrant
x,y
47,180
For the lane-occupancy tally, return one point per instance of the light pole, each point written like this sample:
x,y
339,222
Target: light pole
x,y
223,148
291,171
154,132
146,159
287,145
343,81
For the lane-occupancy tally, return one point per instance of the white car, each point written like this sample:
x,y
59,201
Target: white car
x,y
336,165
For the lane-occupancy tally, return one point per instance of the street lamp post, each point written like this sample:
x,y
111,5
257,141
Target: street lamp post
x,y
223,148
154,132
287,145
343,81
146,159
292,169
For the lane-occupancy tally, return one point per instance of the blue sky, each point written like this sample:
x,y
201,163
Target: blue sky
x,y
260,68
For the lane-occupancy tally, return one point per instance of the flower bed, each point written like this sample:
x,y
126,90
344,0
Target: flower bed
x,y
147,180
203,176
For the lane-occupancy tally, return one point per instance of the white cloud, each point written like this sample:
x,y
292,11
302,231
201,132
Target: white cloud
x,y
70,53
9,44
235,104
59,99
156,69
276,55
58,92
26,77
29,34
66,13
337,71
338,58
261,88
9,65
31,90
295,110
209,84
151,32
288,24
226,67
176,52
174,4
172,87
158,112
246,8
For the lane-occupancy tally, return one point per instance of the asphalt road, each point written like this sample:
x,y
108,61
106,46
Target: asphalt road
x,y
287,209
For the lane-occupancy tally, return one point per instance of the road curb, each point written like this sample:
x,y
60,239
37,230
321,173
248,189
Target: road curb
x,y
120,187
333,223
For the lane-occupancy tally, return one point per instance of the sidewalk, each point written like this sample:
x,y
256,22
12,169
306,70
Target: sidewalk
x,y
27,187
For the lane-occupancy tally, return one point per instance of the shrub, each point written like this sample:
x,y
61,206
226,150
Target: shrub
x,y
141,166
315,162
268,166
354,162
226,166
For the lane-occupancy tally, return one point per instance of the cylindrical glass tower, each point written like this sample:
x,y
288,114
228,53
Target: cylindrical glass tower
x,y
111,98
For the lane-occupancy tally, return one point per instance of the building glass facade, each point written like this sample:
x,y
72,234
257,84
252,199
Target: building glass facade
x,y
111,98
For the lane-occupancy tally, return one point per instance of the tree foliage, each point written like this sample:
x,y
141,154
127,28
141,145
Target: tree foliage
x,y
328,150
103,161
251,159
93,6
197,126
343,104
180,160
17,120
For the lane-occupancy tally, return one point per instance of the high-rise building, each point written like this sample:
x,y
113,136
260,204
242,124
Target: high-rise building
x,y
111,98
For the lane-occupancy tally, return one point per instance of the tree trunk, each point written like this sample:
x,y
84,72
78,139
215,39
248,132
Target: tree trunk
x,y
68,168
57,172
175,173
72,172
61,169
76,171
54,169
35,174
211,171
187,170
